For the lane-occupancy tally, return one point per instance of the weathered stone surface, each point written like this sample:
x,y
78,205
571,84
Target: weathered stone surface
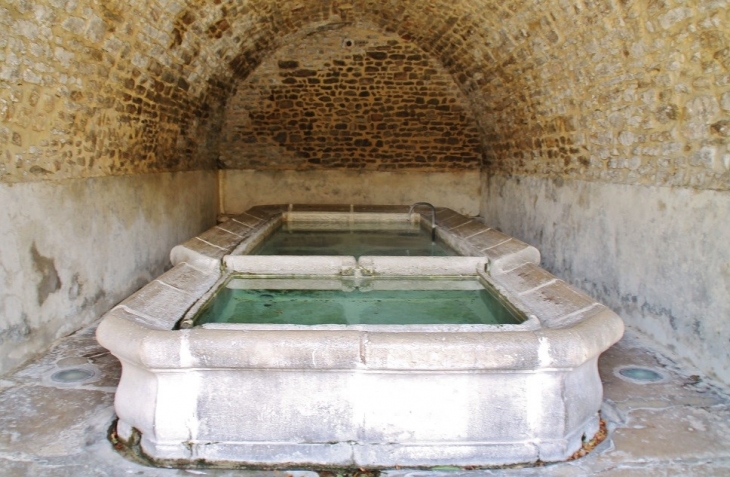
x,y
246,220
27,427
488,238
554,300
205,248
236,227
645,423
220,237
420,266
510,254
525,278
450,223
703,431
469,229
188,279
293,265
160,305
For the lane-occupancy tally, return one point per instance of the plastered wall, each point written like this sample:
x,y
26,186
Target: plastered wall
x,y
242,189
658,256
71,250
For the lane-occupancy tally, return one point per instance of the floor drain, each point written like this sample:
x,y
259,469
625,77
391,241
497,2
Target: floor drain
x,y
73,375
640,375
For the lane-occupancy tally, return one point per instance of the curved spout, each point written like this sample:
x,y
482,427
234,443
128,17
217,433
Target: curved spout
x,y
433,217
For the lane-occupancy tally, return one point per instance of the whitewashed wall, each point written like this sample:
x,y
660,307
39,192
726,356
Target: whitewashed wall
x,y
659,256
242,189
70,250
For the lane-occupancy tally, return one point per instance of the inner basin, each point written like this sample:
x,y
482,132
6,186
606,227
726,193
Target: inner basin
x,y
354,239
354,301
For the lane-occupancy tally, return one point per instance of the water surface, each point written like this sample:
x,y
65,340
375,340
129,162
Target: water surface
x,y
357,305
356,240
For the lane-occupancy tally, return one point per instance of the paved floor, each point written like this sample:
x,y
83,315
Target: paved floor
x,y
679,426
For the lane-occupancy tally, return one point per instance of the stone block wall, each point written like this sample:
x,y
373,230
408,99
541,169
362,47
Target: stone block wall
x,y
349,98
91,89
618,92
622,92
241,189
657,256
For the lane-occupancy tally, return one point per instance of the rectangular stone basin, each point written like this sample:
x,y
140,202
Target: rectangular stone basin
x,y
371,394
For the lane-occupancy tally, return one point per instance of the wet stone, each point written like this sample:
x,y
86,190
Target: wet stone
x,y
24,423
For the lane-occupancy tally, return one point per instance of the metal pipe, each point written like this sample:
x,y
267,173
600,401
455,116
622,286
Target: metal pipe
x,y
433,217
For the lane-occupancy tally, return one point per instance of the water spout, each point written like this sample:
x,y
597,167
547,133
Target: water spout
x,y
433,217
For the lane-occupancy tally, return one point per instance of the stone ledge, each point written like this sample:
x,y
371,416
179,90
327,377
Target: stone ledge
x,y
216,348
513,264
420,266
467,236
291,265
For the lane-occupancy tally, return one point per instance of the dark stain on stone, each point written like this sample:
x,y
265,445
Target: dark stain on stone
x,y
50,281
76,288
288,64
280,138
97,299
17,331
39,171
666,113
304,73
377,55
243,64
721,127
697,328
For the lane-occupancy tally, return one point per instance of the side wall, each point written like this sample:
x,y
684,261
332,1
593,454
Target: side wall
x,y
242,189
658,256
70,250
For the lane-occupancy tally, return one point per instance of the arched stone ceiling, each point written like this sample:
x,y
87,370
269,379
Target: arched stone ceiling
x,y
471,39
598,90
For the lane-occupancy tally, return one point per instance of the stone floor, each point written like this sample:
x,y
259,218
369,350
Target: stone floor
x,y
679,426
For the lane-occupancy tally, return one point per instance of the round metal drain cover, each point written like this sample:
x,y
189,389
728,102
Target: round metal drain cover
x,y
641,375
73,375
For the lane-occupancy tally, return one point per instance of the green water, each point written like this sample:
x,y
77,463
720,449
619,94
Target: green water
x,y
357,306
356,240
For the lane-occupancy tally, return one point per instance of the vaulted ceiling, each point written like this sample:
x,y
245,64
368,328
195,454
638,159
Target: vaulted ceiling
x,y
597,90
